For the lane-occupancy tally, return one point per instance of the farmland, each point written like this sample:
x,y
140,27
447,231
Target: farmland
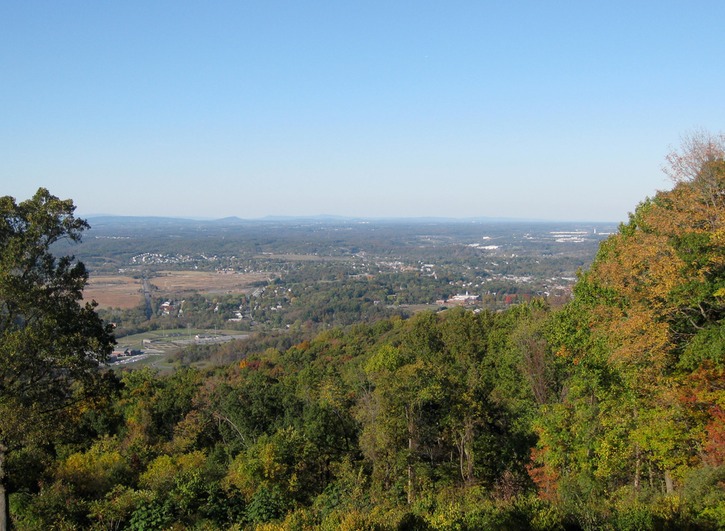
x,y
126,292
204,282
114,291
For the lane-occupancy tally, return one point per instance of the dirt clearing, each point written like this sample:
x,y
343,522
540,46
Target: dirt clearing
x,y
114,291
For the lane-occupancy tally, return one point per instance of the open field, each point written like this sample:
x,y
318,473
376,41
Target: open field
x,y
117,291
112,291
204,281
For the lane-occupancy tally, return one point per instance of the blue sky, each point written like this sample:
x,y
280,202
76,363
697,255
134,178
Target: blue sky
x,y
529,109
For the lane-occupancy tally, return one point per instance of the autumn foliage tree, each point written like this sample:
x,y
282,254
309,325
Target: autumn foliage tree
x,y
645,325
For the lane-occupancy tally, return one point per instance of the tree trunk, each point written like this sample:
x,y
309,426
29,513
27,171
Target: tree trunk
x,y
461,457
412,447
669,487
468,451
637,469
411,473
465,454
4,505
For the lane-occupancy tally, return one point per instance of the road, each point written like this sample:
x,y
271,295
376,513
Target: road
x,y
146,287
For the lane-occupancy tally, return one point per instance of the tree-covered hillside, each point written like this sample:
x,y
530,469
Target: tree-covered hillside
x,y
607,413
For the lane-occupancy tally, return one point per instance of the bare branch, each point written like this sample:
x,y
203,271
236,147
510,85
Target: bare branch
x,y
696,150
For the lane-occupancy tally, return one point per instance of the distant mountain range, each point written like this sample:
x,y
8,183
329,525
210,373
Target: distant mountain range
x,y
98,220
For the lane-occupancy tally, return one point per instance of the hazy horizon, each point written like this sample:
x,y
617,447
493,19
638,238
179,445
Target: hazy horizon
x,y
333,217
378,110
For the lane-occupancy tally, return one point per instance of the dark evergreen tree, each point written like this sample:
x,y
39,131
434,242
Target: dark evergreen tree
x,y
50,343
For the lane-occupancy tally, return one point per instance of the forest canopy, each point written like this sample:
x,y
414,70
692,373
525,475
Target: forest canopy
x,y
606,413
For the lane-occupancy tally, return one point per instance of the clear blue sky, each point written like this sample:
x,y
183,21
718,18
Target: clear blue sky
x,y
533,109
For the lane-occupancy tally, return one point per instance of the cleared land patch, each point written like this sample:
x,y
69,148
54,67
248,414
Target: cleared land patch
x,y
205,282
113,291
116,291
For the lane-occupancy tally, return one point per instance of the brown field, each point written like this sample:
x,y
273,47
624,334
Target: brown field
x,y
111,291
204,282
114,291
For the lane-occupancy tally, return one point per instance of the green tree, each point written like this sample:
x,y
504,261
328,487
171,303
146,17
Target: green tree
x,y
51,344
